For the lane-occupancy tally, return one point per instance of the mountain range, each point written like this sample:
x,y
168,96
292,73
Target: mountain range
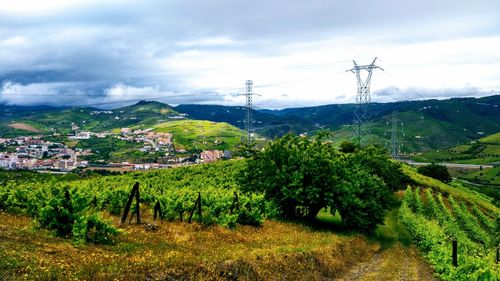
x,y
421,125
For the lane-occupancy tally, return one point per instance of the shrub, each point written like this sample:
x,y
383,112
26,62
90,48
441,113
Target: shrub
x,y
93,228
57,213
249,217
436,171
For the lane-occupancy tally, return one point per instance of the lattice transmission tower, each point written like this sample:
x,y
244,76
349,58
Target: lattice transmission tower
x,y
249,108
395,145
363,100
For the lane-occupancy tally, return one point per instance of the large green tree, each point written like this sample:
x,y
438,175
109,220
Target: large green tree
x,y
303,175
375,160
296,173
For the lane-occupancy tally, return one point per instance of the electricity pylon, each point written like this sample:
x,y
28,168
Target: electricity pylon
x,y
249,108
395,146
363,99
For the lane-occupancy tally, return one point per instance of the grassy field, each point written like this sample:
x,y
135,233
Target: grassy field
x,y
182,251
494,138
197,134
485,176
397,259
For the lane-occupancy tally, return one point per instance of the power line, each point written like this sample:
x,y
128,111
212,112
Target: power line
x,y
409,88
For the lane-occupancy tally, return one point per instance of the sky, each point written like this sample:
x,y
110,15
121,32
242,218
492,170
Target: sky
x,y
111,53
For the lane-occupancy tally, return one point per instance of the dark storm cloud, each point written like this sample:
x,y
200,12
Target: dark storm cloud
x,y
90,48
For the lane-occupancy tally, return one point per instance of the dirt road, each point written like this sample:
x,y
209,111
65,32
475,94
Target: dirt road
x,y
397,262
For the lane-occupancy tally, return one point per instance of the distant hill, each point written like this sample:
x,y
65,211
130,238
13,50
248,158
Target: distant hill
x,y
60,120
427,124
190,135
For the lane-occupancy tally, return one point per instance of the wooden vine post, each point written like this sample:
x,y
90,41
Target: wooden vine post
x,y
67,197
197,206
498,254
134,193
235,204
157,211
454,253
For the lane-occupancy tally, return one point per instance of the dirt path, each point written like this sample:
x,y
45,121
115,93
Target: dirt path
x,y
394,263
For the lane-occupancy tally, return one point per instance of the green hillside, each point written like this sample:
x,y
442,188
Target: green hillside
x,y
60,120
494,138
222,241
427,124
198,134
483,151
190,135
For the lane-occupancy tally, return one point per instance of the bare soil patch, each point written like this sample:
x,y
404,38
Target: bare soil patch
x,y
25,127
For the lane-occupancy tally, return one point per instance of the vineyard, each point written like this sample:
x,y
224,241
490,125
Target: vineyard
x,y
435,221
204,220
79,207
66,228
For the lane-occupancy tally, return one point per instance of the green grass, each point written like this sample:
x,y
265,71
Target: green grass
x,y
485,176
110,149
477,161
494,138
181,251
483,151
392,230
421,132
325,216
196,134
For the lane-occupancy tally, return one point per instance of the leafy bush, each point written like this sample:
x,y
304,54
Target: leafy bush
x,y
375,160
419,206
250,217
298,174
348,147
57,213
362,201
93,228
436,171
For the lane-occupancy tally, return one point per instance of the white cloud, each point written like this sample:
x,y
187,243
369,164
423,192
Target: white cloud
x,y
121,91
208,42
14,41
27,7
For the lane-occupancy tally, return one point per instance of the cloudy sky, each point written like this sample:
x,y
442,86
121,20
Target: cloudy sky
x,y
107,53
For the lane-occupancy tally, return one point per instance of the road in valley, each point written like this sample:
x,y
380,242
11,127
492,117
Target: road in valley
x,y
450,165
